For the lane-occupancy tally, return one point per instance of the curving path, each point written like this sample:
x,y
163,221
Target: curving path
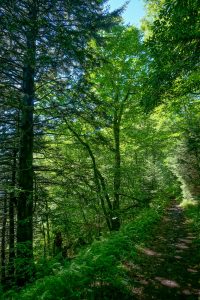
x,y
169,266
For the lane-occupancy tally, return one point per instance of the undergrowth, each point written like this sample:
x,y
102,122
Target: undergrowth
x,y
192,212
97,272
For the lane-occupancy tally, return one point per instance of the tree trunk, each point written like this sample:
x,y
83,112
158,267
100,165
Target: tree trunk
x,y
24,262
48,229
99,181
3,241
12,203
11,269
117,174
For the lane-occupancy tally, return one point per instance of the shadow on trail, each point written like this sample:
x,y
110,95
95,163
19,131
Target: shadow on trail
x,y
168,268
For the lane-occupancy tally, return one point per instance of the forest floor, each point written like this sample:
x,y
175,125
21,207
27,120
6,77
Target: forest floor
x,y
168,265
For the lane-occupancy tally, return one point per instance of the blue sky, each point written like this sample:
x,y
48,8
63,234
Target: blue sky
x,y
134,12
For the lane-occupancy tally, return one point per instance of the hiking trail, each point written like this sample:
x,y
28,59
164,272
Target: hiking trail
x,y
168,265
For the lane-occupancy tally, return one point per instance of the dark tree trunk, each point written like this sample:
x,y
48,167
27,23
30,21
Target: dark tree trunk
x,y
3,241
44,241
11,269
57,245
24,262
12,203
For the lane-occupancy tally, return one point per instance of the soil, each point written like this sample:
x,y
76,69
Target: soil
x,y
168,266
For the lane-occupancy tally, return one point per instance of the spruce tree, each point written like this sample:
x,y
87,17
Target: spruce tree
x,y
42,43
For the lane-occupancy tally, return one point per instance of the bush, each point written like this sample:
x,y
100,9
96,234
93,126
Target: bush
x,y
98,272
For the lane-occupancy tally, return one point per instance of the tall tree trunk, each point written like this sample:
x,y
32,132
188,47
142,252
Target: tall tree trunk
x,y
44,241
48,229
119,109
3,241
24,262
12,203
117,173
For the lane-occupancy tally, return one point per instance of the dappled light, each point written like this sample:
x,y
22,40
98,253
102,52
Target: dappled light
x,y
99,150
192,270
167,282
166,267
181,246
178,257
186,292
150,252
187,241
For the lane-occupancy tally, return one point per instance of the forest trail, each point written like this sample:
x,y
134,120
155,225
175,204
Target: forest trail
x,y
168,266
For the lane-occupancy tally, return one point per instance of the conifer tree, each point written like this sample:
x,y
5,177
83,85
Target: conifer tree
x,y
42,42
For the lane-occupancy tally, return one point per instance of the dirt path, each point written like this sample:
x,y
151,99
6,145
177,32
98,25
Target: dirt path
x,y
169,267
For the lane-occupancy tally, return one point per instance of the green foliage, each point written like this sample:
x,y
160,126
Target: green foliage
x,y
98,158
1,291
46,267
98,271
174,50
192,211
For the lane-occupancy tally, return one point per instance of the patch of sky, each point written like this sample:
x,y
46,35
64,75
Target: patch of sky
x,y
133,13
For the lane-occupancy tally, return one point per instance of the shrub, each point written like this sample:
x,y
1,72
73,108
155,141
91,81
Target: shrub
x,y
97,272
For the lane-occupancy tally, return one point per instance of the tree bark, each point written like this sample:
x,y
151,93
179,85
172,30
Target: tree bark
x,y
117,173
24,262
119,109
12,203
3,241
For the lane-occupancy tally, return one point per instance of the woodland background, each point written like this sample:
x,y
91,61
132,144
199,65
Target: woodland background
x,y
99,126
